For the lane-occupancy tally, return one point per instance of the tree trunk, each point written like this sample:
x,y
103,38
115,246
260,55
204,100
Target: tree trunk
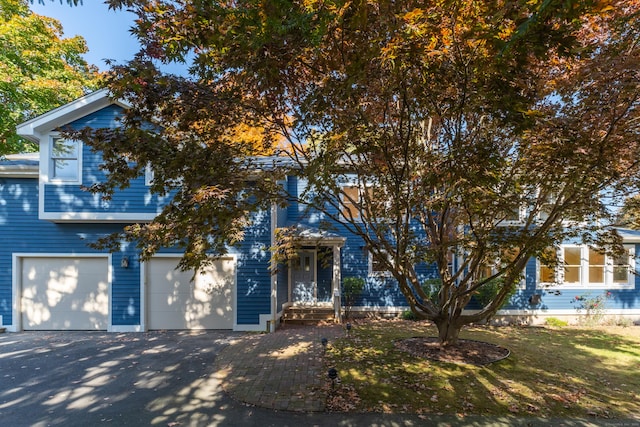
x,y
448,331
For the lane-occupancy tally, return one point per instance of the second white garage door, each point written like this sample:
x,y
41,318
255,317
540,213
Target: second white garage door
x,y
176,302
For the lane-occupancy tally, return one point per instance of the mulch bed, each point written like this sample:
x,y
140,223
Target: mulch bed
x,y
466,351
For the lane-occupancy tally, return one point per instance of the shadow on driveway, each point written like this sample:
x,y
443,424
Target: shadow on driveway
x,y
85,378
164,379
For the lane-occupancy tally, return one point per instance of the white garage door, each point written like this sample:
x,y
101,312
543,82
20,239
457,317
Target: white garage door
x,y
60,293
176,302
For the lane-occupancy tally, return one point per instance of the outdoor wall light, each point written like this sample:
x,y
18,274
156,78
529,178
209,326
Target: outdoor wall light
x,y
124,262
535,299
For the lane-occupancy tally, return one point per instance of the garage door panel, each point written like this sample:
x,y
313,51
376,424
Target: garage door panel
x,y
65,294
177,302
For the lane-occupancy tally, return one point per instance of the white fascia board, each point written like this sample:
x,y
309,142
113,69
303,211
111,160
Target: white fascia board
x,y
19,171
630,239
24,165
32,129
97,217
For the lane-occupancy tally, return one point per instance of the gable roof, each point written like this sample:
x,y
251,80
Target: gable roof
x,y
32,129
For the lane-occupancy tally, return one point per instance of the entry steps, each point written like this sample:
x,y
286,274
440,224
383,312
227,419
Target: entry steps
x,y
307,315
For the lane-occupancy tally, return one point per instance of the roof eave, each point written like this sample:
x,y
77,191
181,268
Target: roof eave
x,y
32,129
19,171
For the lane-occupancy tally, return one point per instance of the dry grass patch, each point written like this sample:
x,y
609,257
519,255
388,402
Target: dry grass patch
x,y
568,372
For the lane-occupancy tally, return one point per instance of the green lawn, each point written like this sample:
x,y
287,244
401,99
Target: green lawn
x,y
551,372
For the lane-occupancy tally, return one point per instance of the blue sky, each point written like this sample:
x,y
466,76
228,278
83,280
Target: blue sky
x,y
106,31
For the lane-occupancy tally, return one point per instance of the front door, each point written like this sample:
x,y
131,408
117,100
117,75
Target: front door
x,y
303,278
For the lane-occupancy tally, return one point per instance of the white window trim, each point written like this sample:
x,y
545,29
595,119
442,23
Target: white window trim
x,y
584,271
522,283
371,273
148,175
541,218
51,168
344,202
522,213
362,188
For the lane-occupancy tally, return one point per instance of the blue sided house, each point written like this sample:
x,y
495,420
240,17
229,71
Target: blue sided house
x,y
51,279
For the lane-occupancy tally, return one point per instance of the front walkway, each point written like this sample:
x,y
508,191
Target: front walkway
x,y
283,370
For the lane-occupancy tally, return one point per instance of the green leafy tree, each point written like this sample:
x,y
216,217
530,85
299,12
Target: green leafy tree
x,y
469,130
39,70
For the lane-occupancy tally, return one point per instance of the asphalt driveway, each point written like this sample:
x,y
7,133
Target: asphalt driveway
x,y
84,378
162,379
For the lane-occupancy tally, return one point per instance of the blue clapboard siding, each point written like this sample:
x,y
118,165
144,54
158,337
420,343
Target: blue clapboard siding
x,y
107,117
73,199
21,231
70,198
125,290
253,275
295,211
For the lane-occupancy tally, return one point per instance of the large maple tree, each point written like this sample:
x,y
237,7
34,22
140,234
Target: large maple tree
x,y
474,130
40,70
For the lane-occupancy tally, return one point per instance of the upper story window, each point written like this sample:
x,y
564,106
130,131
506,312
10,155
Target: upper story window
x,y
361,201
351,201
586,267
65,160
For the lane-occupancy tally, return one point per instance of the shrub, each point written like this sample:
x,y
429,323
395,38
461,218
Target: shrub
x,y
487,292
409,315
431,287
624,322
351,289
554,321
593,307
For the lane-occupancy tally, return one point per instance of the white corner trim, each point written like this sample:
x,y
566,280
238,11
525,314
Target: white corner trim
x,y
274,277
